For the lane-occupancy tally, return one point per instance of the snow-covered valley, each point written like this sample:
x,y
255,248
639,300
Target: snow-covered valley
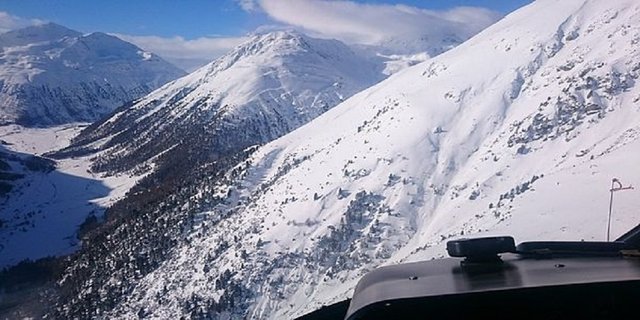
x,y
42,213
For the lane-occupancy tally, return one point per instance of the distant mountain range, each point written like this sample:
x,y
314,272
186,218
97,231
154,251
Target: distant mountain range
x,y
53,75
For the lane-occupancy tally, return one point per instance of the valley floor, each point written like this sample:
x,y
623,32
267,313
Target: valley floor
x,y
40,217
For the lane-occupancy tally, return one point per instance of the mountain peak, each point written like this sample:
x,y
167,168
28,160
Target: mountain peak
x,y
275,47
51,26
65,76
276,41
280,35
36,33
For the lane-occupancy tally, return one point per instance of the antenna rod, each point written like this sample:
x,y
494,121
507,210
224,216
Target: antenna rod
x,y
614,188
610,209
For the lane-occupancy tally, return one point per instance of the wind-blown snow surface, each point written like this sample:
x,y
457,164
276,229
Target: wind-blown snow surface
x,y
52,75
518,131
48,201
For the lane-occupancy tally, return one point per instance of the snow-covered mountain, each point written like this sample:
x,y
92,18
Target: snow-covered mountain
x,y
517,131
263,89
51,75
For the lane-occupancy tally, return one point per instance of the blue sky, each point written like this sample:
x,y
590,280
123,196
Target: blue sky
x,y
187,18
192,32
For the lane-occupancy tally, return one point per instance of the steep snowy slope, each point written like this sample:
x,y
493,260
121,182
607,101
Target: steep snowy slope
x,y
50,75
519,131
262,90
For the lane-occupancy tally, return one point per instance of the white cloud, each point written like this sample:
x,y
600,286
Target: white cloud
x,y
375,23
10,22
247,5
186,54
